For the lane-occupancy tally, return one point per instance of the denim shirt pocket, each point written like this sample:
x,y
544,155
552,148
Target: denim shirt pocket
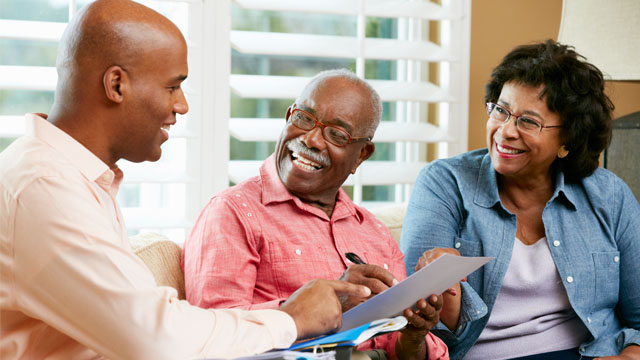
x,y
607,279
470,248
467,247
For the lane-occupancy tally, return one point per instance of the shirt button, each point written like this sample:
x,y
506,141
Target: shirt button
x,y
237,195
457,245
298,252
386,267
556,243
244,204
249,214
616,259
582,349
589,320
569,279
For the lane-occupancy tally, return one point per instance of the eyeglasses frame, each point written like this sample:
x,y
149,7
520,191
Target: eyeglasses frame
x,y
322,126
492,105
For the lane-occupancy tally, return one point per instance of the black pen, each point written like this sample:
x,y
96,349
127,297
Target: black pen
x,y
354,258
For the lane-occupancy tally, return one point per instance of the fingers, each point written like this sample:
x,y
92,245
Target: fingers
x,y
430,256
343,288
427,314
315,307
375,278
372,276
451,291
436,301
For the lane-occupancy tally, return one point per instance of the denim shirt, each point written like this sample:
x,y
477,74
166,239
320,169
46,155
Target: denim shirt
x,y
592,228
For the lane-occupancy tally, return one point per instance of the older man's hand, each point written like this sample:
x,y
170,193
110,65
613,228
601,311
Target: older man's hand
x,y
411,343
315,307
372,276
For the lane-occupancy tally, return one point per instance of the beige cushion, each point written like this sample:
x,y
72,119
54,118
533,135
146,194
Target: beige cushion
x,y
162,256
392,216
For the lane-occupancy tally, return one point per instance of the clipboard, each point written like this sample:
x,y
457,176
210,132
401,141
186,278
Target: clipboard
x,y
434,278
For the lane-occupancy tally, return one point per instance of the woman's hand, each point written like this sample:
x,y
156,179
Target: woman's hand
x,y
450,313
631,352
411,343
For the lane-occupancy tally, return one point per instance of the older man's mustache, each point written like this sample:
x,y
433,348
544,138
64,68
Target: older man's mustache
x,y
296,146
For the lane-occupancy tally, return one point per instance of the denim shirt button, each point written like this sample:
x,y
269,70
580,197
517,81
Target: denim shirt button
x,y
556,243
457,245
589,320
616,259
569,279
582,349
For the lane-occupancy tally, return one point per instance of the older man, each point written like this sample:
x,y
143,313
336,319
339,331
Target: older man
x,y
256,242
71,287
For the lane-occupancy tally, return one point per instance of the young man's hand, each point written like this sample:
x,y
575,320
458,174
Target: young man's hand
x,y
315,307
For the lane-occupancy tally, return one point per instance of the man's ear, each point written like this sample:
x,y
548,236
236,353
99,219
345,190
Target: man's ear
x,y
365,153
115,80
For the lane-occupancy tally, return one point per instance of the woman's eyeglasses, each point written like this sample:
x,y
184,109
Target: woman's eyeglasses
x,y
524,123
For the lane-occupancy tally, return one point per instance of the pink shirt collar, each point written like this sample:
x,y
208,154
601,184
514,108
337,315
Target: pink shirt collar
x,y
94,169
273,190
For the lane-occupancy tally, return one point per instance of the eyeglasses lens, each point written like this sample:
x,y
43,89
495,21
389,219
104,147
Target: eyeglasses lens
x,y
523,123
332,134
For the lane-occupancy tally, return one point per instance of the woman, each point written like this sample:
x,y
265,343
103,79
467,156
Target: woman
x,y
565,234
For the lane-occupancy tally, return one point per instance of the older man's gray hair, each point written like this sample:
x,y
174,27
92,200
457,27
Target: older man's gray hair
x,y
376,103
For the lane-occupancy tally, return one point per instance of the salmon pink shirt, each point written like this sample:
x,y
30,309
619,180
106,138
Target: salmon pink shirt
x,y
255,243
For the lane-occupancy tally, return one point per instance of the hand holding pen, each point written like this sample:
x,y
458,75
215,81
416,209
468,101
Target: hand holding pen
x,y
354,258
372,276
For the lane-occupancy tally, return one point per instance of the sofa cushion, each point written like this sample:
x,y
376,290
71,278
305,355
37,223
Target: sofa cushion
x,y
162,256
392,216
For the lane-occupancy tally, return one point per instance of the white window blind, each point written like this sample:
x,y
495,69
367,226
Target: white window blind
x,y
414,53
248,60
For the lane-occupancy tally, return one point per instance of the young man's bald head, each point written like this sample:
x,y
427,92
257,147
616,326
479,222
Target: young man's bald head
x,y
111,32
120,66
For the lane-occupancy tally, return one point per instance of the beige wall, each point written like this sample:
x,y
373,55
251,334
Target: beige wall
x,y
497,26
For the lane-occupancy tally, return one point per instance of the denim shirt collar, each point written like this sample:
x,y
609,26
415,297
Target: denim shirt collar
x,y
487,194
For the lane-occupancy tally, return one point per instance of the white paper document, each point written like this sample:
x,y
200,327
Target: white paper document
x,y
434,278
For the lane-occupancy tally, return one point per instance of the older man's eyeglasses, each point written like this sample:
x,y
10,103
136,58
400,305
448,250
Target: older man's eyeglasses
x,y
524,123
333,134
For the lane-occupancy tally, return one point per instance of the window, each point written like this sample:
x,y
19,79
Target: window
x,y
415,53
154,196
248,60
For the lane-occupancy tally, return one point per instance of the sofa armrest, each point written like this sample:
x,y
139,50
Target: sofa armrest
x,y
162,257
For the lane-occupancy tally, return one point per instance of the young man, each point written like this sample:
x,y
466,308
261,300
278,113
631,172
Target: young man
x,y
71,287
256,242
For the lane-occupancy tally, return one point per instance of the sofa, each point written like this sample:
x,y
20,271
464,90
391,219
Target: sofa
x,y
162,256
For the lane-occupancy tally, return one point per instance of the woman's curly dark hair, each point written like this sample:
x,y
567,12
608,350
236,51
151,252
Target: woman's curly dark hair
x,y
572,88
